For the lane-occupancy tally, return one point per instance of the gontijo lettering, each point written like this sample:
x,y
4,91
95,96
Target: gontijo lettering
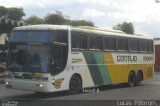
x,y
121,58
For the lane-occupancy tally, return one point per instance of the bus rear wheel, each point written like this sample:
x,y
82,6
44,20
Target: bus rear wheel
x,y
139,78
75,85
131,79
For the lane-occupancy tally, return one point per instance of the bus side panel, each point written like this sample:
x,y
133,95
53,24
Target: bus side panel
x,y
90,65
78,61
104,70
102,67
144,63
148,71
118,72
98,68
93,68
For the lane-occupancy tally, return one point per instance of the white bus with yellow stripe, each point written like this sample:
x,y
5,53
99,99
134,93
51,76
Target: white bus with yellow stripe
x,y
50,58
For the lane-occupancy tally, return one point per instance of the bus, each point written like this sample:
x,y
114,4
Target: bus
x,y
52,58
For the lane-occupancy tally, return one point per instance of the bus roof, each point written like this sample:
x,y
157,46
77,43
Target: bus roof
x,y
42,27
85,29
101,31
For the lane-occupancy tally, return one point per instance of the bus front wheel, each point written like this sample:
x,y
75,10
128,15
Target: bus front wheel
x,y
75,85
131,79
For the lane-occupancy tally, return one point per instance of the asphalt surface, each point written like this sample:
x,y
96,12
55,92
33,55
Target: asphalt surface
x,y
148,90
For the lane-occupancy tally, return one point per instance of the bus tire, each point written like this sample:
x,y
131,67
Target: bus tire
x,y
75,85
139,78
131,79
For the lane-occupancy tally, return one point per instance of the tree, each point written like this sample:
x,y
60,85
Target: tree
x,y
34,20
55,18
3,11
126,27
15,13
59,19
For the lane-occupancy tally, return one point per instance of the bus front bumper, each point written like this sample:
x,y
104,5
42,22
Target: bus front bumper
x,y
28,85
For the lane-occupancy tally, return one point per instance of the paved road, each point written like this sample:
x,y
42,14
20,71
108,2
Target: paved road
x,y
149,90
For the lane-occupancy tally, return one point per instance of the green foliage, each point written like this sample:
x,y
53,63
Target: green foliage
x,y
126,27
55,18
59,19
15,13
3,11
34,20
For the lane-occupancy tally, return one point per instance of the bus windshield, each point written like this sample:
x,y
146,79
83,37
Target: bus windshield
x,y
31,36
28,58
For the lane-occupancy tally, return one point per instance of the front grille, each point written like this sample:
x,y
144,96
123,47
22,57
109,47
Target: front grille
x,y
28,76
18,77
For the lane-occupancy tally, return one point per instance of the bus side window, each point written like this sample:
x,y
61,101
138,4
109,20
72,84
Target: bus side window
x,y
109,43
95,42
79,40
144,45
123,44
61,36
134,45
151,45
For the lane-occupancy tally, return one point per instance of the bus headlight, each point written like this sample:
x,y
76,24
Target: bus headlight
x,y
39,85
8,84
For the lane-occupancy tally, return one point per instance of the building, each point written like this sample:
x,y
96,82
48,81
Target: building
x,y
157,54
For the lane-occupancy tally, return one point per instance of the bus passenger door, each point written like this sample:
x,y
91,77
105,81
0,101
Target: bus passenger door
x,y
58,59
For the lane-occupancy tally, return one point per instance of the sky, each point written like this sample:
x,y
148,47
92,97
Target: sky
x,y
144,14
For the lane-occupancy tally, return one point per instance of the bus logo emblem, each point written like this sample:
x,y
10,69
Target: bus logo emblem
x,y
58,83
